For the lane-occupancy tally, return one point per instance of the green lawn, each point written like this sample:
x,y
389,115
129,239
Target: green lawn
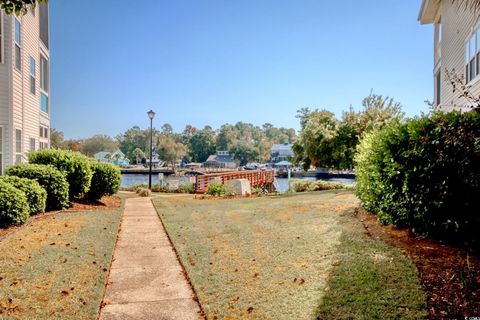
x,y
292,257
56,267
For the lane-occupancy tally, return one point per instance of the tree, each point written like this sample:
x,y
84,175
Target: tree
x,y
202,145
19,6
135,138
327,142
98,143
314,146
139,155
56,139
171,151
245,152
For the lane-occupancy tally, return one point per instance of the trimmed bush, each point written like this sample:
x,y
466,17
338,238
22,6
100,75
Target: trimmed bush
x,y
144,192
49,178
216,189
76,167
35,193
13,205
424,173
105,180
303,185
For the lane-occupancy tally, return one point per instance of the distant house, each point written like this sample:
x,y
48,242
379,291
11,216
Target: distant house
x,y
221,160
118,158
456,47
281,152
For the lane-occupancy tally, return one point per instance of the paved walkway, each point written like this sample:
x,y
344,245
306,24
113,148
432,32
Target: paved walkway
x,y
146,280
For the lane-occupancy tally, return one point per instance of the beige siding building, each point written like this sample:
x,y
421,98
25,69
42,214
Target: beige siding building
x,y
24,84
456,47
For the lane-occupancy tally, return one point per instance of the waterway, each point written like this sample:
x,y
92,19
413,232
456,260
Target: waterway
x,y
129,180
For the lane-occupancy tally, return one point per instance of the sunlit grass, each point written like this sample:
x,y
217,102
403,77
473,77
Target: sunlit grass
x,y
279,258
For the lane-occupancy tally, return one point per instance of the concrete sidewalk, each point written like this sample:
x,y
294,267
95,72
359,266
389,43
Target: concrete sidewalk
x,y
146,280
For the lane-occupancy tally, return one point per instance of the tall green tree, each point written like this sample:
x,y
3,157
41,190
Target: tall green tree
x,y
202,145
244,152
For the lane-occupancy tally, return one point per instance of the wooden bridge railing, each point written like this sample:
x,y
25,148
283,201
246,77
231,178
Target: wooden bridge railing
x,y
256,178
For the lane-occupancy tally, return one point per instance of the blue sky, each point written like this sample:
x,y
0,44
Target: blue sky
x,y
222,61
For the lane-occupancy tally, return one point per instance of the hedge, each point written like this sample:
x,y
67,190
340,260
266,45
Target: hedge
x,y
105,181
49,178
424,173
35,193
13,205
76,166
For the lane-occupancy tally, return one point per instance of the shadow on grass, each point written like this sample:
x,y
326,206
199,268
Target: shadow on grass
x,y
371,280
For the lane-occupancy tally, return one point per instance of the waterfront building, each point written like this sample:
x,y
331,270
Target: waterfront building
x,y
25,111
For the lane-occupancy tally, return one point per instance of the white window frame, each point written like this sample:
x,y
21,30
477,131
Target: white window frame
x,y
16,44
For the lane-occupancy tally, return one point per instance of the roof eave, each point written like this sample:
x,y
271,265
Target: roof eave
x,y
428,11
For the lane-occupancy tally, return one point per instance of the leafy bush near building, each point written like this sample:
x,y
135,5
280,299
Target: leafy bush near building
x,y
105,180
216,189
35,193
76,166
424,173
13,205
49,178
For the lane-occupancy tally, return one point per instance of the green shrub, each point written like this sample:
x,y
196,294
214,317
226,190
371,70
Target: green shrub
x,y
13,205
186,188
216,189
76,167
35,193
51,179
302,185
105,180
424,173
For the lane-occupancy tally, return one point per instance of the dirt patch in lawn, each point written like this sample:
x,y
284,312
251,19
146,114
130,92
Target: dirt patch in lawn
x,y
106,203
449,274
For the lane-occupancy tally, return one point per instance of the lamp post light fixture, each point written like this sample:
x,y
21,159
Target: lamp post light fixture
x,y
151,115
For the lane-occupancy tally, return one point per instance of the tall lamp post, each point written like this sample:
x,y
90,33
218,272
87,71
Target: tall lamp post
x,y
151,115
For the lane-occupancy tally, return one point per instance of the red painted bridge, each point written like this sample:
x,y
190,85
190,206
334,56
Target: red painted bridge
x,y
256,178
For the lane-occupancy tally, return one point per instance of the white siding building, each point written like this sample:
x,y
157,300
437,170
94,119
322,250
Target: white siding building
x,y
456,47
24,84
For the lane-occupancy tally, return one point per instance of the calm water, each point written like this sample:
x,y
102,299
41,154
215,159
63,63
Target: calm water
x,y
129,180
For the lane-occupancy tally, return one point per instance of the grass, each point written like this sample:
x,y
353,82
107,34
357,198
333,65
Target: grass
x,y
301,256
56,267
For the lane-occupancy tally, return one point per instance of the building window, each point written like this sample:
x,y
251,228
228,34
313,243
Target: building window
x,y
18,45
33,144
32,75
43,17
45,132
43,145
44,73
1,36
44,102
472,56
438,83
18,146
1,148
